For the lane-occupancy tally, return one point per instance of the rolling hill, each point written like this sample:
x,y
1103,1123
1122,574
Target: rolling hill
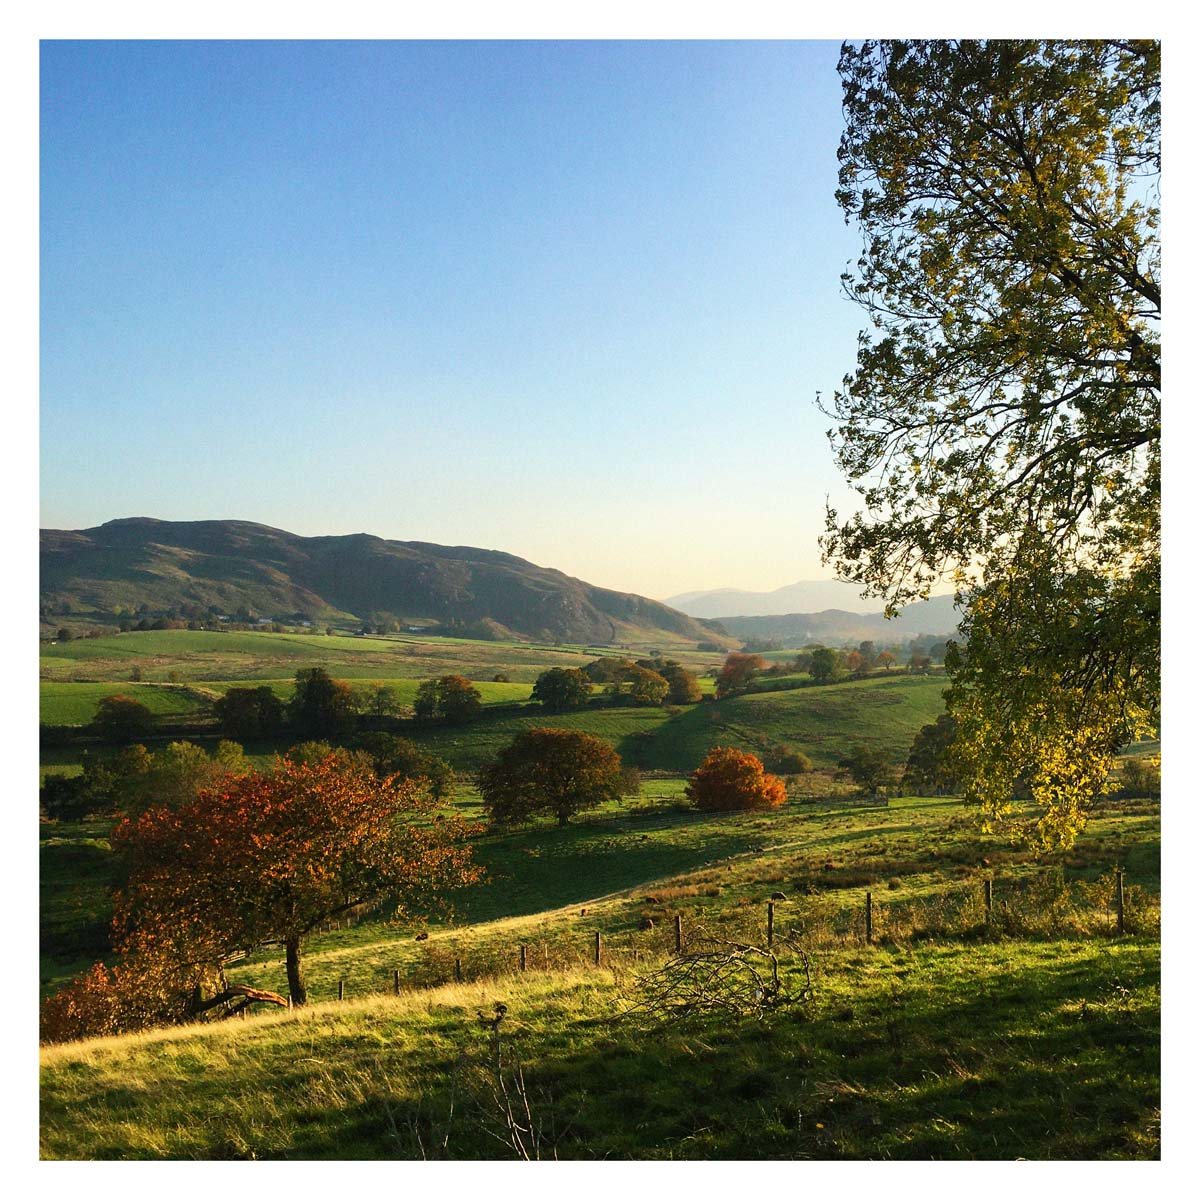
x,y
935,616
816,610
230,565
810,595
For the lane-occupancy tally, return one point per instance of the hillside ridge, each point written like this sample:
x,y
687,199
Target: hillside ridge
x,y
231,565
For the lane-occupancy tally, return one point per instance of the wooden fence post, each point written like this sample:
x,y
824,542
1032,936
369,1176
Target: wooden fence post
x,y
522,958
870,923
396,981
770,923
678,933
987,900
458,970
1120,901
341,989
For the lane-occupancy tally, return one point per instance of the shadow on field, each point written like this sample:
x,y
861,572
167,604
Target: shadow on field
x,y
1041,1063
547,869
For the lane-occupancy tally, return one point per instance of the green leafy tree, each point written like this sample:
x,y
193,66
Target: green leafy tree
x,y
321,707
646,687
823,665
450,698
249,712
562,688
871,769
929,768
392,755
122,719
607,669
172,776
558,772
683,684
1002,425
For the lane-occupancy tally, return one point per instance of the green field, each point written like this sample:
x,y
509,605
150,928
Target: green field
x,y
199,656
936,1042
1035,1035
75,703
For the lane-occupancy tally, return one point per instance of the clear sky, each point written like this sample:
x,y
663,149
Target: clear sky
x,y
568,300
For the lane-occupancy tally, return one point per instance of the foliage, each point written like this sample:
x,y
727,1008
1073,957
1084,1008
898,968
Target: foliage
x,y
1141,777
321,707
737,672
379,701
607,669
928,769
120,718
249,712
554,771
1003,423
871,769
562,688
685,687
645,687
65,798
792,762
1046,687
173,775
403,758
450,698
823,664
137,993
265,859
730,779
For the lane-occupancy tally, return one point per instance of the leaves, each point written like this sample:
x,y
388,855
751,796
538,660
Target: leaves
x,y
555,771
1002,425
730,779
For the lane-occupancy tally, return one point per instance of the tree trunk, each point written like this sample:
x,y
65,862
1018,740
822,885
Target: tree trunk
x,y
295,976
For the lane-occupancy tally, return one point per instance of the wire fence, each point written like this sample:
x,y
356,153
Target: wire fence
x,y
1038,905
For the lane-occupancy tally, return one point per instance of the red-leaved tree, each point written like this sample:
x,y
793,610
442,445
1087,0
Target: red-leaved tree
x,y
257,861
737,672
268,858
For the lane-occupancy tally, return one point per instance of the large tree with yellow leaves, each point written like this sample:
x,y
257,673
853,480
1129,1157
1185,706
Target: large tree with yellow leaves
x,y
1002,425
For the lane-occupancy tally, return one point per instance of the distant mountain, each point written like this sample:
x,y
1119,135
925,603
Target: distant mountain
x,y
936,616
232,565
814,595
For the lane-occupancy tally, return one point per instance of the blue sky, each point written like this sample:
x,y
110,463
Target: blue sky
x,y
569,300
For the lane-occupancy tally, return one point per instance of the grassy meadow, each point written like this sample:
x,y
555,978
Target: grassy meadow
x,y
1039,1039
1029,1033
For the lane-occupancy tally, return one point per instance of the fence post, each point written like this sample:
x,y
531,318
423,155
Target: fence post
x,y
396,981
597,951
678,933
870,923
458,970
770,923
987,901
522,958
1120,901
341,989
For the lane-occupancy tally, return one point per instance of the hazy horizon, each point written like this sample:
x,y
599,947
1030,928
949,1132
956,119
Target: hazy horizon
x,y
568,300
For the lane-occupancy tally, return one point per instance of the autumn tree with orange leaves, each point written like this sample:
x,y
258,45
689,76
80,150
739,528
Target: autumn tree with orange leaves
x,y
729,780
737,672
267,859
258,861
